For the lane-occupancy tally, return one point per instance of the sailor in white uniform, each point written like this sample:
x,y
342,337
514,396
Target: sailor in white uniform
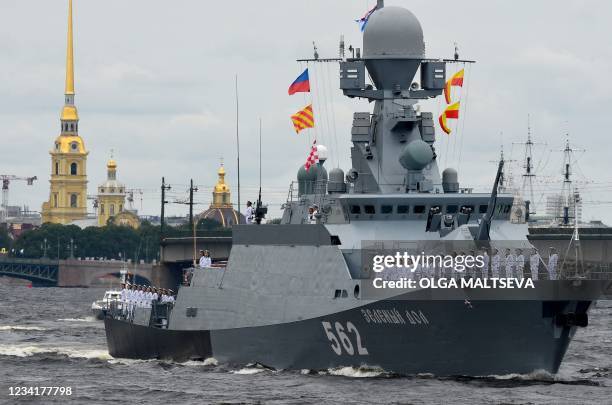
x,y
134,298
311,218
205,260
315,214
509,262
148,297
534,264
520,263
553,259
124,299
248,214
131,299
140,297
170,298
470,272
454,274
484,270
495,263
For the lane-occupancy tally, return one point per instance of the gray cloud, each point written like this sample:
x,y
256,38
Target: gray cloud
x,y
155,83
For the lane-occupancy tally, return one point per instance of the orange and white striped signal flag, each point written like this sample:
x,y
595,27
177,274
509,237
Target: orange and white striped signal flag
x,y
303,119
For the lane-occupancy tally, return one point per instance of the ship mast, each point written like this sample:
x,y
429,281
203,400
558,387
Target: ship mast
x,y
569,194
529,174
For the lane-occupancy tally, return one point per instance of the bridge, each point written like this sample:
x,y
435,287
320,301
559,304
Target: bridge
x,y
77,273
43,272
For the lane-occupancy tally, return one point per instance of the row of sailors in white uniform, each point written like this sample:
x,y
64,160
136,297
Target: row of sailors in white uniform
x,y
514,264
508,265
142,297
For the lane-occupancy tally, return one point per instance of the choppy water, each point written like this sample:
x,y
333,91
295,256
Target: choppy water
x,y
48,338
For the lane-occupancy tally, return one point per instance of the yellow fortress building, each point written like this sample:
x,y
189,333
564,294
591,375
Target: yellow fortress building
x,y
111,195
68,194
111,201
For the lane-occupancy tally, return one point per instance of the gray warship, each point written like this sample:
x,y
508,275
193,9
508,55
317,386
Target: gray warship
x,y
294,295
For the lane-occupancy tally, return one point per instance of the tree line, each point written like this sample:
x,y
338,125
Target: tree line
x,y
57,241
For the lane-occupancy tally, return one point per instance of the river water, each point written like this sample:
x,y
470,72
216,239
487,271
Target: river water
x,y
49,338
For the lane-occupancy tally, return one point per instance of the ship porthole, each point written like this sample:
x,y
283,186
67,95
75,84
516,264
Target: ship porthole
x,y
356,291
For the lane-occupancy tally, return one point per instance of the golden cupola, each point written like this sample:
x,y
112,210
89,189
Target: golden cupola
x,y
222,197
221,210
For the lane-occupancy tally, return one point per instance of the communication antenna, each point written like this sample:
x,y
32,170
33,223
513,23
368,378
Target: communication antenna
x,y
260,209
456,56
316,52
260,155
341,52
237,142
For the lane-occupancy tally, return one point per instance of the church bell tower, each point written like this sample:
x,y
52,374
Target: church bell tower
x,y
68,191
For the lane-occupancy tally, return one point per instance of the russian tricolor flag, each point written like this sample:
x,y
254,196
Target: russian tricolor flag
x,y
363,21
301,84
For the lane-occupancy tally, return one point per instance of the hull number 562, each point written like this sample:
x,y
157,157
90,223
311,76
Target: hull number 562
x,y
340,339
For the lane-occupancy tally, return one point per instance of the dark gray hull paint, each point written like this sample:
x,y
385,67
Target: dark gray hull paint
x,y
128,340
439,337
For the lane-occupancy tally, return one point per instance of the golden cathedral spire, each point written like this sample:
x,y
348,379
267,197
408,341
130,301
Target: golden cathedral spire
x,y
68,191
69,55
69,112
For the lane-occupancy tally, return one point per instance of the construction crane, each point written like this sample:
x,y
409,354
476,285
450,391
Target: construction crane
x,y
6,181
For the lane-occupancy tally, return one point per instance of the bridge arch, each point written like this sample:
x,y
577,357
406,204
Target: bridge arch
x,y
40,272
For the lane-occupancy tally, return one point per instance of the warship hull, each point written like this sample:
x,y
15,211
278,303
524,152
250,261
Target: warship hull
x,y
404,337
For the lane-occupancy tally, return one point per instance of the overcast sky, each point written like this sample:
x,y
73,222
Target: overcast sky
x,y
155,82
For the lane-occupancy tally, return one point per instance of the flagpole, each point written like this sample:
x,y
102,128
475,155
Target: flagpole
x,y
238,144
260,154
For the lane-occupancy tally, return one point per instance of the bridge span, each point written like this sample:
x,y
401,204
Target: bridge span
x,y
77,273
